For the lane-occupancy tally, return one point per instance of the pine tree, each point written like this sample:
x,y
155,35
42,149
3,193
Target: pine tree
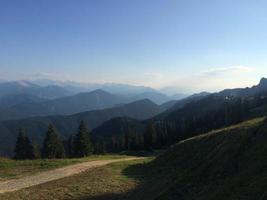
x,y
150,136
52,147
82,146
20,145
29,150
23,148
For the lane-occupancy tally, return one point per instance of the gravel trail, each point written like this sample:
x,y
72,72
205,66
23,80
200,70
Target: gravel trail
x,y
43,177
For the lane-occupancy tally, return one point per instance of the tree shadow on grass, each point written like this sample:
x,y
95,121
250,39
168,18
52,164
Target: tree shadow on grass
x,y
148,185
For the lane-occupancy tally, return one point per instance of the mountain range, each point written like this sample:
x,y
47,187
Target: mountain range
x,y
108,113
22,99
197,114
81,102
25,87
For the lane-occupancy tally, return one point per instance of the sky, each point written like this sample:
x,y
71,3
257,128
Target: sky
x,y
191,45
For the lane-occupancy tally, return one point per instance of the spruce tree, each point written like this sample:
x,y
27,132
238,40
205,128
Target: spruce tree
x,y
20,150
52,147
24,148
82,146
29,149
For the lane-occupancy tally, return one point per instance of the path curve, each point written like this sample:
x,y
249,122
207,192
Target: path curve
x,y
43,177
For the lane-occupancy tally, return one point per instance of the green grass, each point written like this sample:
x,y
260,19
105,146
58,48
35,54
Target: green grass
x,y
107,182
10,169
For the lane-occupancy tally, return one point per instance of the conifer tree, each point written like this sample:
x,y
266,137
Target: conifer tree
x,y
69,146
20,151
82,146
29,150
52,147
23,148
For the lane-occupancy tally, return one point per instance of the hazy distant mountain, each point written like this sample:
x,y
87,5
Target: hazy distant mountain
x,y
156,97
132,92
46,82
12,100
67,125
115,88
179,96
51,92
26,87
125,89
16,87
172,90
168,104
262,85
81,102
242,92
201,94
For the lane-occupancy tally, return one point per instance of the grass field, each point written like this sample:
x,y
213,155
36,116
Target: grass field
x,y
114,181
10,169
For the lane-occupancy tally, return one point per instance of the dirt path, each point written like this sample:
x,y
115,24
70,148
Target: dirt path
x,y
43,177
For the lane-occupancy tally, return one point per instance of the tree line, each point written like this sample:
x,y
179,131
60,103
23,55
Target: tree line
x,y
53,147
132,140
81,145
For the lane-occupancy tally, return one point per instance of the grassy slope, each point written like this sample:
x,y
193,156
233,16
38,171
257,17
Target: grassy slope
x,y
10,169
230,163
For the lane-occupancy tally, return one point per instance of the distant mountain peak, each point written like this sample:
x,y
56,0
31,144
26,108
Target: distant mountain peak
x,y
99,91
262,86
263,82
23,83
201,94
94,92
144,101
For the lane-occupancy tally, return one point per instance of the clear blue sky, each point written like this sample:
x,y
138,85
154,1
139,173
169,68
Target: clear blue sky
x,y
192,44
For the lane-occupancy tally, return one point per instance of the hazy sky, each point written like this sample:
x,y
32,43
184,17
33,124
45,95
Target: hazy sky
x,y
192,44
